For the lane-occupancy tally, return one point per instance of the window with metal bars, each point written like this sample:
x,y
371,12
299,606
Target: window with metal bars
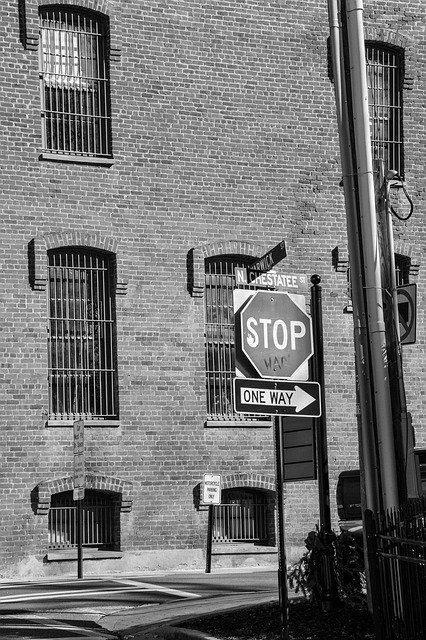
x,y
385,82
402,269
74,82
81,338
242,517
219,333
100,520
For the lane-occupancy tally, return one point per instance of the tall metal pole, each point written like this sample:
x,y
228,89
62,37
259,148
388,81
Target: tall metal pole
x,y
365,401
357,94
378,449
282,560
321,423
79,524
209,539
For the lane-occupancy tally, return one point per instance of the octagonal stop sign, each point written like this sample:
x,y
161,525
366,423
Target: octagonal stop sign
x,y
276,335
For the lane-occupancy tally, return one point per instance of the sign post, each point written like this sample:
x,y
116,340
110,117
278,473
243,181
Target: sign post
x,y
212,490
282,558
79,487
274,343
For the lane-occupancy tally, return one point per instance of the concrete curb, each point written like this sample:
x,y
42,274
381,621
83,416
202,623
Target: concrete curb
x,y
168,633
165,627
152,617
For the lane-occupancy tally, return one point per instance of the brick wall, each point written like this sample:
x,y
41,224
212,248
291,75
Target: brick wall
x,y
224,129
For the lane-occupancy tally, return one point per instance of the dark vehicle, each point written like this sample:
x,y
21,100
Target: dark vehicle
x,y
348,495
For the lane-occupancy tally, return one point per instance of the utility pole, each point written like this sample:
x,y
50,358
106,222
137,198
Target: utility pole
x,y
378,453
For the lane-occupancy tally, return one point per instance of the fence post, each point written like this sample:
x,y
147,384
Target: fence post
x,y
373,571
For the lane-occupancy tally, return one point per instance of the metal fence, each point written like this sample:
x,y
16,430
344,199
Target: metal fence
x,y
397,562
240,522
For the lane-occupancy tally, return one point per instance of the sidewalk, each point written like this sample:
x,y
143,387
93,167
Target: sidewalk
x,y
159,621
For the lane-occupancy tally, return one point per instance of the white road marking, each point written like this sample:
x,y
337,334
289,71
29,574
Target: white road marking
x,y
154,587
140,586
46,625
46,582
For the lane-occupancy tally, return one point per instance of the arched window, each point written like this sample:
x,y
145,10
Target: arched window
x,y
81,336
245,515
101,520
74,79
220,283
385,77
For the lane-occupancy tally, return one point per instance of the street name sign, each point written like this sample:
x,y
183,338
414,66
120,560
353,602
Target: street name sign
x,y
271,258
273,334
211,488
277,397
272,280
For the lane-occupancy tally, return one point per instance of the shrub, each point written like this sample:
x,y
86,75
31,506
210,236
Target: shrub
x,y
331,571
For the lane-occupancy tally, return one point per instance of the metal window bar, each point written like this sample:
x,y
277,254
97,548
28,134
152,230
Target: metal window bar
x,y
219,335
245,522
402,269
74,83
98,516
81,341
384,77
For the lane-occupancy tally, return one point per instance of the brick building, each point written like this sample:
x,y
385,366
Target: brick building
x,y
148,148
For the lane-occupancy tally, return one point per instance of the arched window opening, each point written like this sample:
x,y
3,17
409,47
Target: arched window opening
x,y
81,335
220,283
385,74
245,515
101,520
74,77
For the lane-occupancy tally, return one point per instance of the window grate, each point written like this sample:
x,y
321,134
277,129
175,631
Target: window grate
x,y
74,83
98,521
219,334
81,336
241,518
402,269
385,77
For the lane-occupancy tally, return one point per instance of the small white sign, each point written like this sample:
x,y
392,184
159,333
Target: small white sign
x,y
79,470
78,493
212,489
78,436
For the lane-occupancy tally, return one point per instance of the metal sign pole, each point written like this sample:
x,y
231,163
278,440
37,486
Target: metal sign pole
x,y
209,540
79,490
79,538
282,560
321,424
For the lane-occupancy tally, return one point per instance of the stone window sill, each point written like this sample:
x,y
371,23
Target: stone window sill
x,y
60,555
62,157
87,423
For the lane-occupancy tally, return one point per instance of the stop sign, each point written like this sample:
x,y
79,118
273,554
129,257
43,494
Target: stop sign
x,y
276,334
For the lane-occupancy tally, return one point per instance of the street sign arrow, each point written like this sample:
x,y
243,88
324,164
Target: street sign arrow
x,y
277,397
299,399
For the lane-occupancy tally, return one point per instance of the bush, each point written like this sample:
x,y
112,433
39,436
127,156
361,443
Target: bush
x,y
331,571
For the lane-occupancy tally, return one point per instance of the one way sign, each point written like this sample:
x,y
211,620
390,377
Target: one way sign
x,y
277,397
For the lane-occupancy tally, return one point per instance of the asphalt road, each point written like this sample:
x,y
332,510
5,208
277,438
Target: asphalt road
x,y
71,608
